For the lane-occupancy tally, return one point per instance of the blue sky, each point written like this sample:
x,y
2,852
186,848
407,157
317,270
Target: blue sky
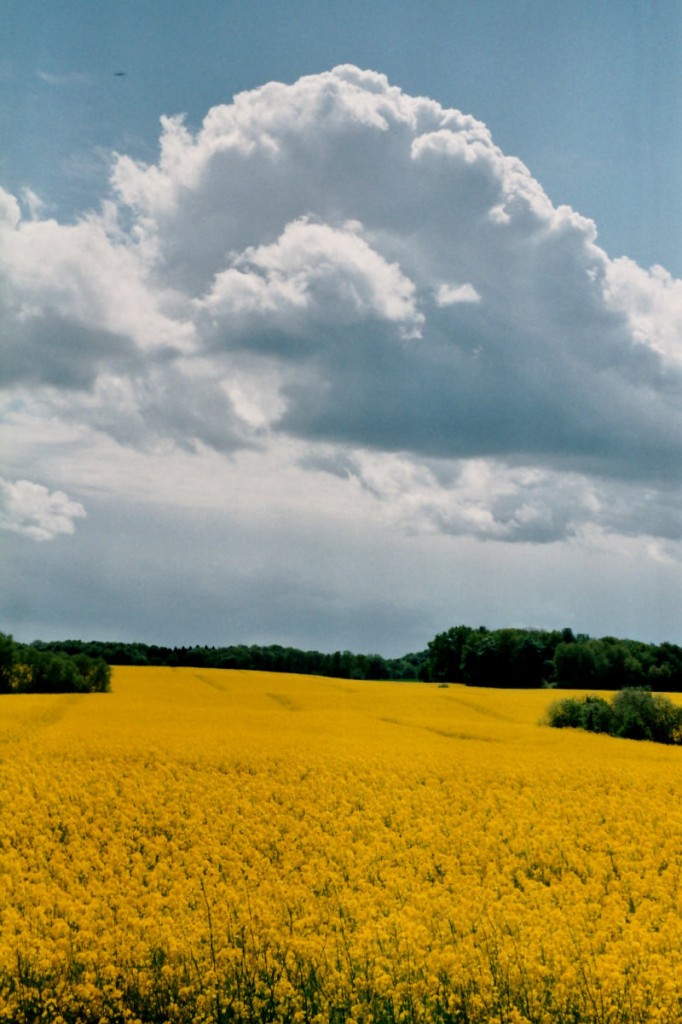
x,y
335,370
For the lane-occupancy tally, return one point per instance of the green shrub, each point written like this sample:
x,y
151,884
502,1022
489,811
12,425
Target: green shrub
x,y
566,714
597,714
635,713
639,715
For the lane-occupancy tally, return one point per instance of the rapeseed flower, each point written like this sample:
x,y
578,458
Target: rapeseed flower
x,y
213,846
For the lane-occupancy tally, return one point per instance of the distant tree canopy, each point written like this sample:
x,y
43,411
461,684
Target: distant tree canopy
x,y
29,668
476,657
341,664
534,657
634,713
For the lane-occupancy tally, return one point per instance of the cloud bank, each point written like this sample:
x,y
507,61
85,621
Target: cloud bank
x,y
362,277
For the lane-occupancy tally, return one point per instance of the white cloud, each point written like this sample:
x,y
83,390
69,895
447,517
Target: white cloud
x,y
450,294
86,274
313,276
652,302
34,511
342,266
489,500
33,203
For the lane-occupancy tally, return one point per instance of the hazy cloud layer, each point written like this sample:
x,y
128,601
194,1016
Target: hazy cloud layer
x,y
489,500
366,272
70,78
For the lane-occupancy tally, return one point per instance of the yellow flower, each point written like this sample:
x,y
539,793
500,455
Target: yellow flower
x,y
228,844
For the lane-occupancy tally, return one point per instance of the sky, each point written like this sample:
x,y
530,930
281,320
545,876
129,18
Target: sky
x,y
334,325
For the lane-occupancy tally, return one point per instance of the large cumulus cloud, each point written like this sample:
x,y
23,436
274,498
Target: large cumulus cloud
x,y
365,271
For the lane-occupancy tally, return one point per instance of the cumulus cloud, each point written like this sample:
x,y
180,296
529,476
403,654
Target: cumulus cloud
x,y
312,277
32,510
652,302
365,271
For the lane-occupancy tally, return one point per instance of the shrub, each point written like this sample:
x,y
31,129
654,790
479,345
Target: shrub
x,y
635,713
566,714
597,714
639,715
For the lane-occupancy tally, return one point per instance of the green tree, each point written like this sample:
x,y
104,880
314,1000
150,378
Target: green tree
x,y
527,659
7,662
50,673
577,665
95,674
445,654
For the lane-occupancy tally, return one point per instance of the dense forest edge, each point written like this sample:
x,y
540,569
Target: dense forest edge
x,y
555,658
36,668
507,658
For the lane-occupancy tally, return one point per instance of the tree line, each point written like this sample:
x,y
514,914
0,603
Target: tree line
x,y
273,658
534,657
33,668
463,654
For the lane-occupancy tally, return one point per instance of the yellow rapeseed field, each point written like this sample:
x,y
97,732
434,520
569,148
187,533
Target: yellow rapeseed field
x,y
214,846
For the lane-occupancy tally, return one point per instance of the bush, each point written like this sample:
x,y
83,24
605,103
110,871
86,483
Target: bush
x,y
641,716
597,714
567,714
635,713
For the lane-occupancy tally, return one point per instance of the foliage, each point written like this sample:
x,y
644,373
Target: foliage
x,y
634,713
592,713
7,662
32,668
206,846
478,657
533,657
274,658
